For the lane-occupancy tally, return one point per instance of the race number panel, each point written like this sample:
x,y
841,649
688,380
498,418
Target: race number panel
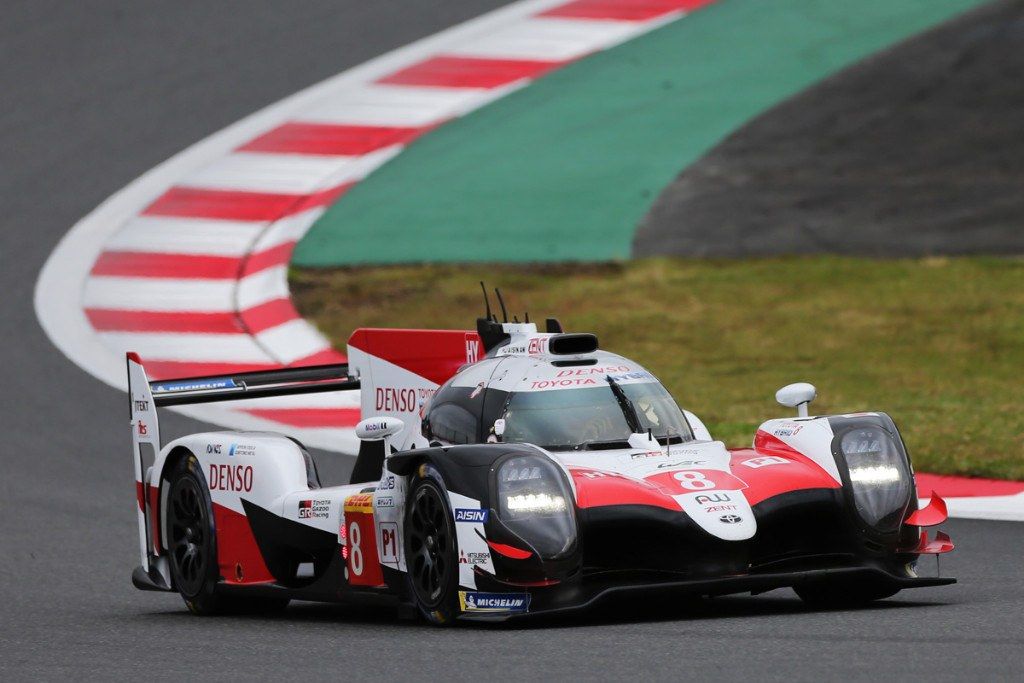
x,y
361,557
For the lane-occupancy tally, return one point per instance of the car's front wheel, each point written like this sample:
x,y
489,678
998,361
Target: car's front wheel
x,y
431,548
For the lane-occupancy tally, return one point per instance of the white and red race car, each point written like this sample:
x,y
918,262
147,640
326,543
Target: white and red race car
x,y
507,472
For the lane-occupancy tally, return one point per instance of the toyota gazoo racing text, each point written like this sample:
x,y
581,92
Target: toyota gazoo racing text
x,y
508,472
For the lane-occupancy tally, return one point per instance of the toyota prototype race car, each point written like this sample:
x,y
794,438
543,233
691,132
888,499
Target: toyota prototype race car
x,y
508,472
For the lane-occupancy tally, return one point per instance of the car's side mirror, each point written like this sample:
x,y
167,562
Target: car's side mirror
x,y
378,428
797,396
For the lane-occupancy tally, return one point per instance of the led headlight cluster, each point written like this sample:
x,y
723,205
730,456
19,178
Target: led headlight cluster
x,y
879,476
535,502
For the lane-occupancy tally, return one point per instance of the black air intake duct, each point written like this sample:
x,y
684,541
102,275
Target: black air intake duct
x,y
572,343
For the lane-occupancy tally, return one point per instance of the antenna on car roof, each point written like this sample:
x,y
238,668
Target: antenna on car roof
x,y
504,313
487,301
527,321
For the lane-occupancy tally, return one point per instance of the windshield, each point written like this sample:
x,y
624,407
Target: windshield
x,y
576,418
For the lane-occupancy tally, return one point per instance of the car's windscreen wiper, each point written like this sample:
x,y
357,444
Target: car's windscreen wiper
x,y
624,403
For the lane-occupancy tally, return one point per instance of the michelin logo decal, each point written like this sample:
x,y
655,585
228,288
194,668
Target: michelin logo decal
x,y
194,385
493,602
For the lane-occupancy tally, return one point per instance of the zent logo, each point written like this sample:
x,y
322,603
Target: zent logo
x,y
471,515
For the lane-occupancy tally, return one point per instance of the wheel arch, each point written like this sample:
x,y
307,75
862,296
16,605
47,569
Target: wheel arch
x,y
175,456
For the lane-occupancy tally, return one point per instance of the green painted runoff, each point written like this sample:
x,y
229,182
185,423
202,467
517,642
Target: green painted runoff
x,y
564,169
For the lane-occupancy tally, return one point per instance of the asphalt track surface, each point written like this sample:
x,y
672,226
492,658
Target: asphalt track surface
x,y
95,94
916,150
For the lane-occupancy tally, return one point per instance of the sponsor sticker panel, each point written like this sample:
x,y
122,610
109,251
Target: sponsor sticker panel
x,y
475,601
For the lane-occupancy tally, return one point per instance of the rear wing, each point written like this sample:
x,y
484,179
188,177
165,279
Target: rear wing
x,y
259,384
146,396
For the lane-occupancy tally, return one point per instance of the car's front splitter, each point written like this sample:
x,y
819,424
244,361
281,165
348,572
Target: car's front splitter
x,y
565,599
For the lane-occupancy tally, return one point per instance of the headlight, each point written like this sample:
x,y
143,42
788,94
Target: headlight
x,y
535,503
879,476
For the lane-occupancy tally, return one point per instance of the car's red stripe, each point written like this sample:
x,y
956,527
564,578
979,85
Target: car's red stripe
x,y
797,473
450,71
435,355
330,139
237,204
238,555
622,10
154,518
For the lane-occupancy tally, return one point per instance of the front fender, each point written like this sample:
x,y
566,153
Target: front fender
x,y
467,473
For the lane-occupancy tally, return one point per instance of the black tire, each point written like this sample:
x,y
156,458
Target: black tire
x,y
192,546
191,538
832,595
431,551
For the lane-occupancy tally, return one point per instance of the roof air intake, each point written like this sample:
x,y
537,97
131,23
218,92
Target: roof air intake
x,y
572,343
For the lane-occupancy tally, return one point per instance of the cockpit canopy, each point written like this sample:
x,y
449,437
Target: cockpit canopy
x,y
592,402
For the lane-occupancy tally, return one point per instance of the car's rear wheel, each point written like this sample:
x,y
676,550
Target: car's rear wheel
x,y
430,549
192,545
191,538
832,595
